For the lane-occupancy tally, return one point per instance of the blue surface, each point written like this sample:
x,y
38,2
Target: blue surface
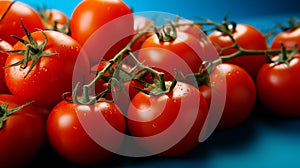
x,y
264,140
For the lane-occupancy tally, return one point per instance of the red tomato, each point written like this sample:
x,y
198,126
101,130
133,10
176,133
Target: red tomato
x,y
101,85
289,38
183,54
102,27
140,24
4,46
278,86
120,96
22,133
247,37
240,93
52,75
10,23
172,121
188,27
54,19
70,130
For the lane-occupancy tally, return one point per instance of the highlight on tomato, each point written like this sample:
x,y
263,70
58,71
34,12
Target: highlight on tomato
x,y
4,46
190,27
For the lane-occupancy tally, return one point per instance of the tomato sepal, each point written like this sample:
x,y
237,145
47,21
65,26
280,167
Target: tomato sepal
x,y
32,52
4,112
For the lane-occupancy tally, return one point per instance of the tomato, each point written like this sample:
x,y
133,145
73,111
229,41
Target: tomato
x,y
10,23
172,121
240,93
188,26
183,54
52,75
140,24
22,133
101,85
278,86
72,130
4,46
288,38
54,19
248,37
102,27
120,93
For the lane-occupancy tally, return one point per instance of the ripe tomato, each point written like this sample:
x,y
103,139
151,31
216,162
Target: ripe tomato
x,y
10,23
22,133
172,122
72,130
188,27
288,37
102,27
52,75
183,54
240,93
278,86
248,37
54,19
120,93
140,24
4,46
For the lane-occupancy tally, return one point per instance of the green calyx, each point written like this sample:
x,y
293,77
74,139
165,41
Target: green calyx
x,y
293,23
46,16
284,56
4,112
166,34
33,51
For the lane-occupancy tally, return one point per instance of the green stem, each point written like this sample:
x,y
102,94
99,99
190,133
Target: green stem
x,y
4,112
7,10
85,98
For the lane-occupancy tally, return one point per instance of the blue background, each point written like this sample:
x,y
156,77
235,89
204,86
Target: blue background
x,y
264,140
215,9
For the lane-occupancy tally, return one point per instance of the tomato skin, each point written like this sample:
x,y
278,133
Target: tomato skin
x,y
161,112
140,24
52,75
278,87
94,24
69,138
54,16
11,24
240,93
194,30
120,97
4,46
206,92
22,134
183,53
247,37
288,38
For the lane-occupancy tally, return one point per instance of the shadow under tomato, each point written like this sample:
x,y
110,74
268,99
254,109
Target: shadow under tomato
x,y
279,123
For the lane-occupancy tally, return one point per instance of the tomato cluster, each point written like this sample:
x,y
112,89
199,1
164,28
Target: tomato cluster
x,y
104,78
